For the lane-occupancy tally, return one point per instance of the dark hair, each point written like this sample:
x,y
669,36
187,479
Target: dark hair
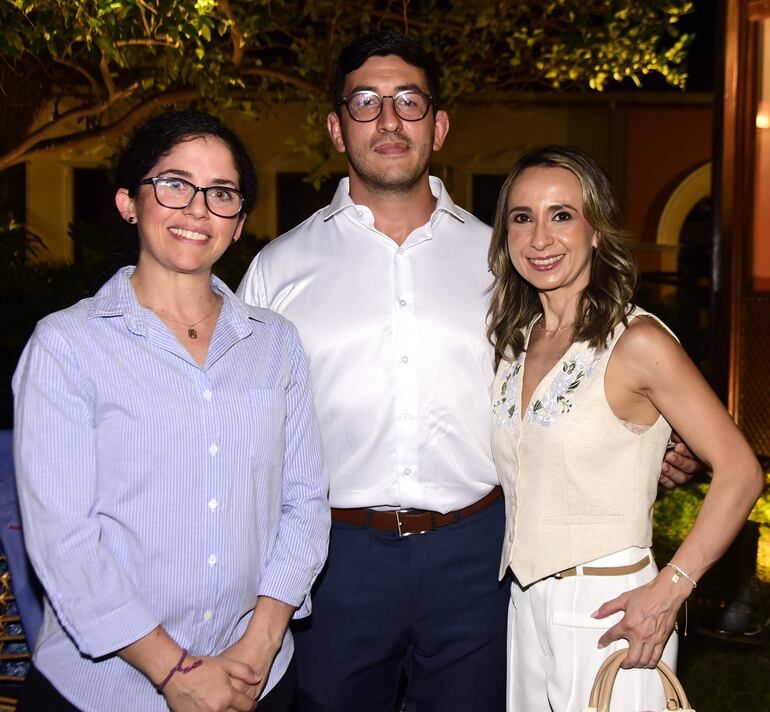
x,y
157,138
605,302
382,44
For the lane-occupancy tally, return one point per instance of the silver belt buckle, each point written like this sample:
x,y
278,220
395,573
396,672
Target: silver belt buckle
x,y
398,524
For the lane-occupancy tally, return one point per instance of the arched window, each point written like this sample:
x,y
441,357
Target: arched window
x,y
684,242
693,189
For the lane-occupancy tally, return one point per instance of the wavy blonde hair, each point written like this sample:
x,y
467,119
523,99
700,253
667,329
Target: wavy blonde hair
x,y
605,302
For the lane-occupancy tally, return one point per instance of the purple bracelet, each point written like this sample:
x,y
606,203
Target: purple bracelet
x,y
179,668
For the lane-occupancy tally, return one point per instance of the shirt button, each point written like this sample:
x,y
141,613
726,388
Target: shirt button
x,y
510,537
405,416
407,472
402,302
213,560
213,449
360,213
404,359
208,615
213,504
207,394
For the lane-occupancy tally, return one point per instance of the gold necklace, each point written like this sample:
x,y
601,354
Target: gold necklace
x,y
192,332
552,331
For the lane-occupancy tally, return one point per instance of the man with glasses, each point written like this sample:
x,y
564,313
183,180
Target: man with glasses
x,y
388,288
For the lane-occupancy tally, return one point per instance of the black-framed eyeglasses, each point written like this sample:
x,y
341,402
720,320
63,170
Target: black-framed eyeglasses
x,y
178,193
409,105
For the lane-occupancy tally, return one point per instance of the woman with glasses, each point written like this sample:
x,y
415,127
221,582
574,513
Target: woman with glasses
x,y
587,389
168,459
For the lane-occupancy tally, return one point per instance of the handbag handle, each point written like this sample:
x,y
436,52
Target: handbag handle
x,y
601,692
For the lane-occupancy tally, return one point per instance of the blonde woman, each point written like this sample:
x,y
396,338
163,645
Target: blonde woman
x,y
588,388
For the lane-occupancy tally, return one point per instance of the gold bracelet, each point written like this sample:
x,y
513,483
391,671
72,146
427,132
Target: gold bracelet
x,y
678,573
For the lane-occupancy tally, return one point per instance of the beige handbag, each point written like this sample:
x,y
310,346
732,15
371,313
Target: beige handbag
x,y
601,692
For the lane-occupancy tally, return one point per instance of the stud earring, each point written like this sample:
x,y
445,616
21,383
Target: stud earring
x,y
131,219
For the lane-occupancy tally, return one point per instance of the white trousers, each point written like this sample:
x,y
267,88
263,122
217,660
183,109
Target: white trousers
x,y
552,653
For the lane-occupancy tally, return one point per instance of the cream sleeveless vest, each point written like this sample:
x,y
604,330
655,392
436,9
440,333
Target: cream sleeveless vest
x,y
578,483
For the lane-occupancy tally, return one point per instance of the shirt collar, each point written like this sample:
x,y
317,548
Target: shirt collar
x,y
117,298
444,203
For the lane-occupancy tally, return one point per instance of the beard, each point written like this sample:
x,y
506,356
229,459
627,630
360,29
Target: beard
x,y
390,179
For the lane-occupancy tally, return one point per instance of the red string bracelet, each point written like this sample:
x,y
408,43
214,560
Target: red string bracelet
x,y
179,668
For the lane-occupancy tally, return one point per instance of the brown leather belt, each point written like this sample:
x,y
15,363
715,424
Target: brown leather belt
x,y
409,521
605,570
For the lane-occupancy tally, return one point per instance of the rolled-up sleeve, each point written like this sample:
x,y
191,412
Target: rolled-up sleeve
x,y
55,456
302,538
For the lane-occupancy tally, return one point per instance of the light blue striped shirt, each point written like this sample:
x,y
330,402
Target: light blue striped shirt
x,y
156,492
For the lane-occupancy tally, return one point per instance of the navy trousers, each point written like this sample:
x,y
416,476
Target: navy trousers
x,y
428,605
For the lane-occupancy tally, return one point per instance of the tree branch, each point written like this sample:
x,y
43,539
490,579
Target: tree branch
x,y
149,40
104,68
44,133
281,76
236,35
43,141
148,7
146,42
82,71
146,24
109,133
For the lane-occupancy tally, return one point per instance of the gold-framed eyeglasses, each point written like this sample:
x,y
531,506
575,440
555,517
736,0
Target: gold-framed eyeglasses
x,y
178,193
409,105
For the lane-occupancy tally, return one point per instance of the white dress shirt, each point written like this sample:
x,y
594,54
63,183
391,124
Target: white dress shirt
x,y
400,366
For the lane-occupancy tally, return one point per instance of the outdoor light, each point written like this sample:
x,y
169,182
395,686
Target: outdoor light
x,y
763,115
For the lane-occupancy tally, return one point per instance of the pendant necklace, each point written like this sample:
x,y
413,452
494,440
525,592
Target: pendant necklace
x,y
192,332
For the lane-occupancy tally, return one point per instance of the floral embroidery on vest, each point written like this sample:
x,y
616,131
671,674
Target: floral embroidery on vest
x,y
506,406
556,402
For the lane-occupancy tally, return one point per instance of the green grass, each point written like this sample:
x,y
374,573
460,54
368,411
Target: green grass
x,y
720,676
